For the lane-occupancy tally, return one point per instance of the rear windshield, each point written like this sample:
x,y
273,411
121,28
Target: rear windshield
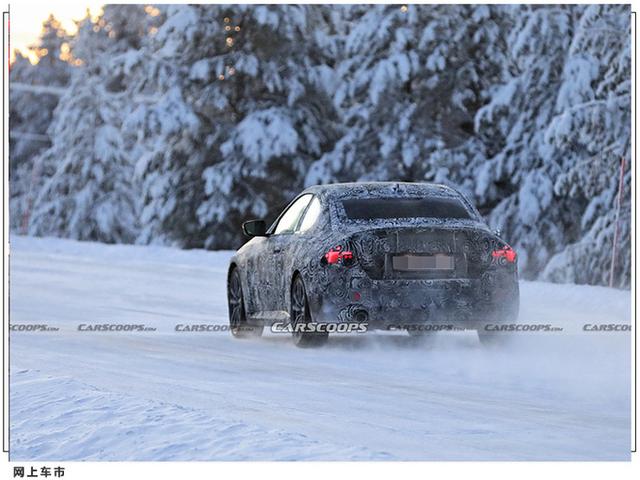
x,y
389,208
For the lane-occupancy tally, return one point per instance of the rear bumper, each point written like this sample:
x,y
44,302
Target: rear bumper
x,y
449,303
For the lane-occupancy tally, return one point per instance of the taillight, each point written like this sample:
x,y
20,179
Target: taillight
x,y
505,254
338,256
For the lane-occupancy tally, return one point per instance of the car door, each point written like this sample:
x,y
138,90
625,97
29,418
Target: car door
x,y
274,255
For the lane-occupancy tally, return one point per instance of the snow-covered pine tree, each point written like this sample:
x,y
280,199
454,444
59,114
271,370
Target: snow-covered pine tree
x,y
412,78
164,133
553,135
241,111
227,111
31,112
591,131
514,177
87,189
89,196
282,120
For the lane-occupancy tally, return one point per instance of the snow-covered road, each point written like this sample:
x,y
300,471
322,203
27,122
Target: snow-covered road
x,y
168,395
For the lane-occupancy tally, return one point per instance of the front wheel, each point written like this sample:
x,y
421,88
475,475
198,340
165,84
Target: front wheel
x,y
238,324
300,315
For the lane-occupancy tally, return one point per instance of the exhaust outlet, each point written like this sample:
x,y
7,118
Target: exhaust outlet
x,y
361,316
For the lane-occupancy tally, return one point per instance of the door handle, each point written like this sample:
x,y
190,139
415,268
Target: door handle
x,y
277,250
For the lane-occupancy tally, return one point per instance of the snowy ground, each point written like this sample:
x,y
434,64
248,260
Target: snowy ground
x,y
165,395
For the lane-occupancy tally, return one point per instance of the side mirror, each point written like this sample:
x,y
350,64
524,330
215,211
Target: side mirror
x,y
255,228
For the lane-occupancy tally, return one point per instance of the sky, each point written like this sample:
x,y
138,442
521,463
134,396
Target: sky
x,y
27,17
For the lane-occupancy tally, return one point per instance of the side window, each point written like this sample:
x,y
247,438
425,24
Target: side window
x,y
311,215
289,220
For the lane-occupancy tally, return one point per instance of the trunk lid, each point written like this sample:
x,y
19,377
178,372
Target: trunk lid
x,y
424,252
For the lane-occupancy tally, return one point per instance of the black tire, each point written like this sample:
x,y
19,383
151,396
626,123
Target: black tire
x,y
422,337
508,315
300,314
491,339
421,333
238,324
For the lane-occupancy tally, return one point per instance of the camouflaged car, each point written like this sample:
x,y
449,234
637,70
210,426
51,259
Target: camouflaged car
x,y
384,255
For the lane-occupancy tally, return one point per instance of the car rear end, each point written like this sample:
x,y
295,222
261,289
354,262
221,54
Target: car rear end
x,y
414,259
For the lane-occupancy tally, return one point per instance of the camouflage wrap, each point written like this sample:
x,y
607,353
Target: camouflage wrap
x,y
480,287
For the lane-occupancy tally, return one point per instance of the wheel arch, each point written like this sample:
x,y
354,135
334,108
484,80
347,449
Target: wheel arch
x,y
314,300
233,265
296,273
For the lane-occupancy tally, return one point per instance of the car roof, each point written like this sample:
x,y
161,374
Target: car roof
x,y
378,188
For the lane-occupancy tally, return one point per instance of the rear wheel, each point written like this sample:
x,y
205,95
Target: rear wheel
x,y
300,315
237,315
422,337
508,314
491,339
